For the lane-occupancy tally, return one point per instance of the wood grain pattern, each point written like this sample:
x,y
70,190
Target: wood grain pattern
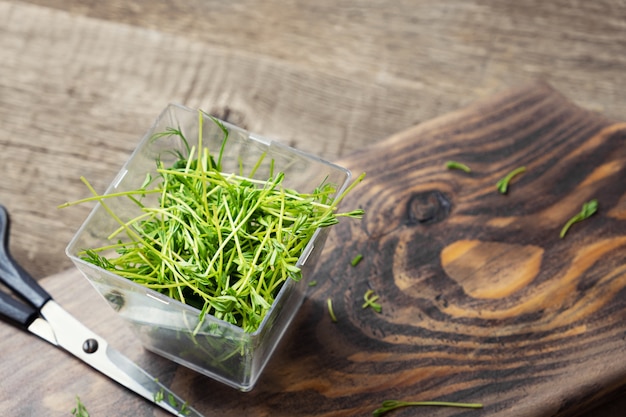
x,y
445,52
434,338
80,82
77,94
482,301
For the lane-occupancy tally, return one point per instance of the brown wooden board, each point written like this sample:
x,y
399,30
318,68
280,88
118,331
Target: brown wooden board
x,y
482,301
82,80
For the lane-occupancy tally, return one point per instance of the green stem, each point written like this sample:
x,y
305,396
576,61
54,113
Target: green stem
x,y
390,405
458,165
588,209
220,242
331,311
503,184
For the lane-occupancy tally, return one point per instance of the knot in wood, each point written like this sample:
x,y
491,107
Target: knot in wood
x,y
428,207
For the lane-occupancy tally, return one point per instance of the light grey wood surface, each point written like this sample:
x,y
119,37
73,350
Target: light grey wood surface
x,y
81,81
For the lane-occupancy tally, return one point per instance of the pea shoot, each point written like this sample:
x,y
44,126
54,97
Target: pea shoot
x,y
589,209
458,165
80,410
331,312
389,405
370,301
355,261
503,184
159,396
224,243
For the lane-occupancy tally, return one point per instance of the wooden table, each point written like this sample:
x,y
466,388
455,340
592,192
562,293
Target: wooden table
x,y
80,82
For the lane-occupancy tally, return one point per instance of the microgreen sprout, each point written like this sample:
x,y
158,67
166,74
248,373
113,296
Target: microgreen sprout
x,y
312,283
80,410
159,396
503,184
370,301
389,405
331,312
355,261
224,243
589,209
171,400
458,165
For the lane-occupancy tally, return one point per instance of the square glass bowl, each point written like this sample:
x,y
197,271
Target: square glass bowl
x,y
166,326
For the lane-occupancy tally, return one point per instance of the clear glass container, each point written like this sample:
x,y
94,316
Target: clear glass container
x,y
166,326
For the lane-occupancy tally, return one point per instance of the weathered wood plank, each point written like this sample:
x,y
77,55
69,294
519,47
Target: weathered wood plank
x,y
462,49
39,380
76,94
80,81
481,288
482,301
325,79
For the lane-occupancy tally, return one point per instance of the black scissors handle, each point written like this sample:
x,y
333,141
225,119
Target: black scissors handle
x,y
13,275
16,312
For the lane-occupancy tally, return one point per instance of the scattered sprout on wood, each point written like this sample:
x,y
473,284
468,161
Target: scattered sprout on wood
x,y
390,405
355,261
503,184
312,283
370,301
331,312
80,410
458,165
224,243
589,209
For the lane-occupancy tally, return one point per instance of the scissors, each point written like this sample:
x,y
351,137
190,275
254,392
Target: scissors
x,y
41,315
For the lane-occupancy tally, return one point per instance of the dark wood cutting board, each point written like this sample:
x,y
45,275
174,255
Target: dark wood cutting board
x,y
482,301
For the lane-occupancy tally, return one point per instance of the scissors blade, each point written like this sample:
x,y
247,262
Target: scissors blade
x,y
81,342
42,328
